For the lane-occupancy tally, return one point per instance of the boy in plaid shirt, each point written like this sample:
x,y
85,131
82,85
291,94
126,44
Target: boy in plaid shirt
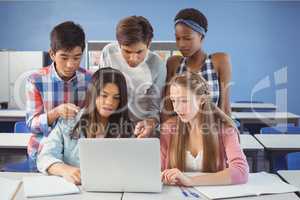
x,y
57,90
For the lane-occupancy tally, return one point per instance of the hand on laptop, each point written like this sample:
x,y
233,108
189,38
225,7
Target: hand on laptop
x,y
175,177
144,128
68,172
72,174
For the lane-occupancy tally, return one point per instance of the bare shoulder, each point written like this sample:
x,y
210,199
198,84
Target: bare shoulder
x,y
173,63
221,61
220,57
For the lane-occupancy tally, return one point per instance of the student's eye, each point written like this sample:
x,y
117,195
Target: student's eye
x,y
125,51
187,38
117,97
103,95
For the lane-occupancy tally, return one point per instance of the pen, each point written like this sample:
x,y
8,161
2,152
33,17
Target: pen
x,y
183,192
193,193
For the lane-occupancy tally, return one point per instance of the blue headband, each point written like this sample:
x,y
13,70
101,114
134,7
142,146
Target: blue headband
x,y
192,24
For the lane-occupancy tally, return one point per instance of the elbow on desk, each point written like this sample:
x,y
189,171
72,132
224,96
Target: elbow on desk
x,y
239,175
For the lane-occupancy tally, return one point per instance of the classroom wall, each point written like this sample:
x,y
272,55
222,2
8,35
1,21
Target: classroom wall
x,y
262,37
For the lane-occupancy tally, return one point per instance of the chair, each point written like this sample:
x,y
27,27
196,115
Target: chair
x,y
27,165
20,127
291,161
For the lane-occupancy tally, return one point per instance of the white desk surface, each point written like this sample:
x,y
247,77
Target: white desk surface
x,y
14,140
82,196
168,193
127,196
279,141
287,196
12,113
291,176
248,142
253,105
264,115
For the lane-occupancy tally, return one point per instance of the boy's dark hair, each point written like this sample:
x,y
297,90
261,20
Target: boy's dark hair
x,y
66,36
133,29
193,14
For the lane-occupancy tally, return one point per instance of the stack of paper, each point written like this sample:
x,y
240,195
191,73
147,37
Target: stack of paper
x,y
39,186
8,188
258,183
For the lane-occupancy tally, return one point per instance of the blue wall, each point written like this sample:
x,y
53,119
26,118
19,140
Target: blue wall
x,y
261,37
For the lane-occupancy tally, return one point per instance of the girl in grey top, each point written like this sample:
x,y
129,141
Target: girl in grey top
x,y
105,114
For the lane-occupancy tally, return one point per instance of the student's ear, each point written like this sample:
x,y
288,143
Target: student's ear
x,y
201,100
149,44
52,55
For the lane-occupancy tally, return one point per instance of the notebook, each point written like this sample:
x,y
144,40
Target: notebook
x,y
8,188
40,186
258,184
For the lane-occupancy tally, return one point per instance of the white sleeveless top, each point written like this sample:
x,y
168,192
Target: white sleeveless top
x,y
193,164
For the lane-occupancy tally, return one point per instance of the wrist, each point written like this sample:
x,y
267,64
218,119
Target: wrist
x,y
56,112
191,181
152,122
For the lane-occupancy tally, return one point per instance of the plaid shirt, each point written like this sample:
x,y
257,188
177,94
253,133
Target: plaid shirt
x,y
45,90
208,72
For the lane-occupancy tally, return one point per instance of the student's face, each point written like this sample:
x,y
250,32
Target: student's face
x,y
187,41
108,101
134,54
67,62
184,103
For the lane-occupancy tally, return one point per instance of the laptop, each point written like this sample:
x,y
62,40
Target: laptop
x,y
120,165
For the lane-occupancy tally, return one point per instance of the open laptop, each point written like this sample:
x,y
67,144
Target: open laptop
x,y
120,165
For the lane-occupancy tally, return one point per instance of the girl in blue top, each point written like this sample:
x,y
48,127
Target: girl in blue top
x,y
105,114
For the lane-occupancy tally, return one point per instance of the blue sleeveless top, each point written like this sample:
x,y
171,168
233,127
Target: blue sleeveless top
x,y
208,73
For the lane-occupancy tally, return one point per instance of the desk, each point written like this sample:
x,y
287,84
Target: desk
x,y
238,107
269,118
127,196
14,142
168,193
8,115
291,176
251,147
279,144
287,196
82,196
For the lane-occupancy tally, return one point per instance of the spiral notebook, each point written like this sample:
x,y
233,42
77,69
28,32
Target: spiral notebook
x,y
258,184
41,186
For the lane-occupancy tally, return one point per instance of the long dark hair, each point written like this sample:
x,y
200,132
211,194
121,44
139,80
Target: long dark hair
x,y
119,124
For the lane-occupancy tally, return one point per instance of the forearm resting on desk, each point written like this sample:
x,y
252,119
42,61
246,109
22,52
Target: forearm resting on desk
x,y
69,172
219,178
176,177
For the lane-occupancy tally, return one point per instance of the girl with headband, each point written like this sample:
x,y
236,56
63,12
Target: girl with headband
x,y
190,31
